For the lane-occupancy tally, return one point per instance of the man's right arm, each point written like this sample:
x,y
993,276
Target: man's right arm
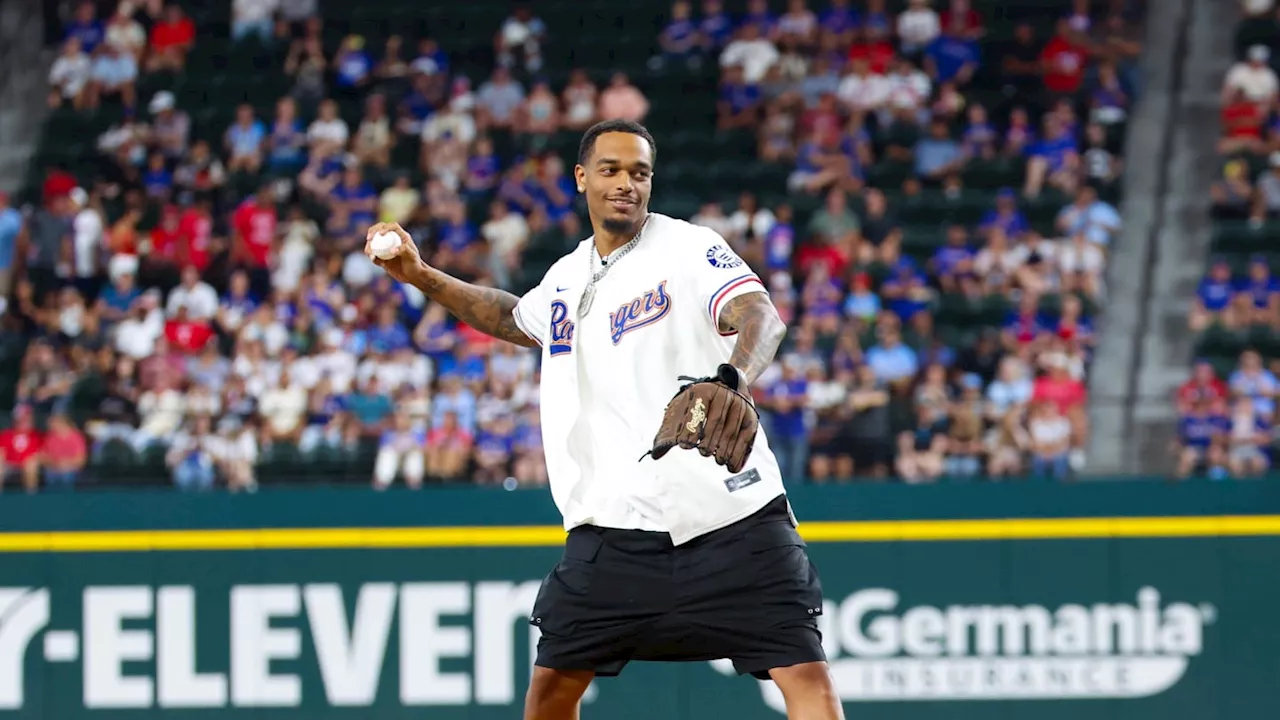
x,y
488,310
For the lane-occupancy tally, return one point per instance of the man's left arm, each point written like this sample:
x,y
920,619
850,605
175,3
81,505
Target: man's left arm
x,y
760,331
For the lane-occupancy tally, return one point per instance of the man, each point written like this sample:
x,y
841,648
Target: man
x,y
672,559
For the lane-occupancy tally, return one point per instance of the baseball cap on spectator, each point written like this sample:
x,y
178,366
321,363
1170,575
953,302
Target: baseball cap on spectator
x,y
1006,193
1274,159
1259,259
79,197
1259,53
161,102
121,264
971,381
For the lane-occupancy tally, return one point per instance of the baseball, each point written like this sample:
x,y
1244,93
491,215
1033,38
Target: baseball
x,y
384,245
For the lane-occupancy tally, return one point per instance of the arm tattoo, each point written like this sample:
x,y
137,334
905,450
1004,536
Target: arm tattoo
x,y
485,309
760,332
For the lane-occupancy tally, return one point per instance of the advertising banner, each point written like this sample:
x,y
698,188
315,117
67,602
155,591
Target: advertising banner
x,y
1036,618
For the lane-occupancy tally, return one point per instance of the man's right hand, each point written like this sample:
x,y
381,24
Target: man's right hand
x,y
406,264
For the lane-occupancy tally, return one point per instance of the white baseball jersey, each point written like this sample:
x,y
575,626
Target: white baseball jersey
x,y
607,378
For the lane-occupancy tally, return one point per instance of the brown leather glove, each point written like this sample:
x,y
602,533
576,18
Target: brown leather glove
x,y
714,415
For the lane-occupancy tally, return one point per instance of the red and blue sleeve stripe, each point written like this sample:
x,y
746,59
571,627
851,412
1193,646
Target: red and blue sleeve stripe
x,y
717,297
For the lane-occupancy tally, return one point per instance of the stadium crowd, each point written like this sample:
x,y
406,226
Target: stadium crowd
x,y
208,303
1227,408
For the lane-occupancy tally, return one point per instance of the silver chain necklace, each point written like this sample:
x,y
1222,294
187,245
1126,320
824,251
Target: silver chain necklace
x,y
588,295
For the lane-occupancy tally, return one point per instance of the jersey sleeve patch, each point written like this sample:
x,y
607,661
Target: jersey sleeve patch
x,y
719,256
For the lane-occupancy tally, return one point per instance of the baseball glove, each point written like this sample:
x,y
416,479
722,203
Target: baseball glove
x,y
713,415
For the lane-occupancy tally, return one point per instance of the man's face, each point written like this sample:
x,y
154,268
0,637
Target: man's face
x,y
617,181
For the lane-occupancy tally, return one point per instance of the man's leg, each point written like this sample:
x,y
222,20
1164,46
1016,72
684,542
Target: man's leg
x,y
808,690
555,694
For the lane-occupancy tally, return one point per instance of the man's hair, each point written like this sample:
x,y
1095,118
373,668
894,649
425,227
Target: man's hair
x,y
588,144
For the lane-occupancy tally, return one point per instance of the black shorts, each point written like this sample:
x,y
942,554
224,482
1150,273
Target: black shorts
x,y
746,592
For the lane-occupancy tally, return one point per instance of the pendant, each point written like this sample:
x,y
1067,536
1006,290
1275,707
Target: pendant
x,y
584,305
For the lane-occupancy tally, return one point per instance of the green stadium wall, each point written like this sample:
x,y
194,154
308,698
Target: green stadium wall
x,y
1128,600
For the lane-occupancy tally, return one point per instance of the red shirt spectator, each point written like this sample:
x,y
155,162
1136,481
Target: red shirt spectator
x,y
822,121
20,443
1061,389
195,232
187,335
1204,386
64,446
166,243
171,33
1064,64
834,257
58,184
877,53
1241,119
255,227
960,19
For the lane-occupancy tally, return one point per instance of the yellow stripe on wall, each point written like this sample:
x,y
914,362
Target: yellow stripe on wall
x,y
548,536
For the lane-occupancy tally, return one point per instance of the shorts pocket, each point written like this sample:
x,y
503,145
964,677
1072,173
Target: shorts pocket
x,y
786,582
576,567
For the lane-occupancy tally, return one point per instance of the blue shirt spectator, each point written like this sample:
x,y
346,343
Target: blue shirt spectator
x,y
1198,430
245,137
10,228
716,26
113,68
1255,382
454,398
791,421
353,64
892,361
1005,215
1216,289
839,18
679,38
1098,220
1055,148
1260,285
86,28
935,153
950,55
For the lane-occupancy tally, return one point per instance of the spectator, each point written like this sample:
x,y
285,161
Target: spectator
x,y
917,27
190,456
893,362
20,450
400,452
171,40
738,106
679,39
1255,382
170,127
1253,78
254,238
579,99
1248,439
352,66
789,407
244,141
1053,158
307,65
1200,440
126,34
752,52
1242,124
11,228
937,156
1063,61
374,141
519,40
85,27
1203,385
69,77
1266,203
1050,441
622,100
253,19
715,29
286,141
498,100
448,448
197,296
114,74
328,133
63,454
